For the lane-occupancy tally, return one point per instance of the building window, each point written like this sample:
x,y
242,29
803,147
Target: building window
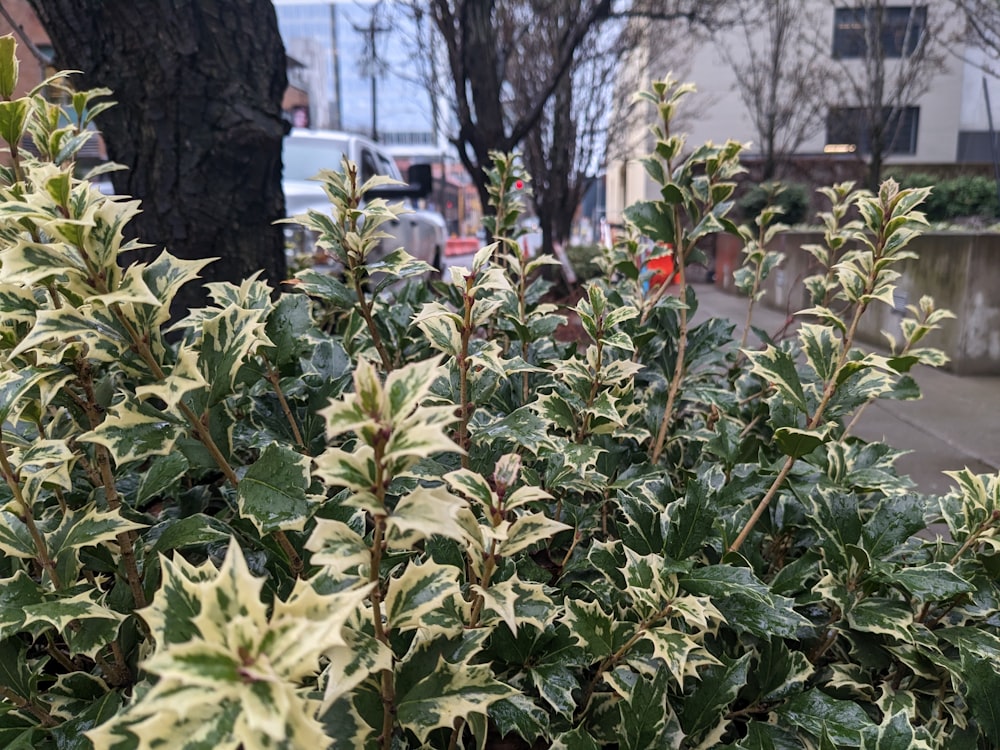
x,y
897,30
851,126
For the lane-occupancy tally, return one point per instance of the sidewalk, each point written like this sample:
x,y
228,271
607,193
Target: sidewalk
x,y
955,425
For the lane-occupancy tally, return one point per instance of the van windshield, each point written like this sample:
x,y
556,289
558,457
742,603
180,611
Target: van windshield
x,y
304,158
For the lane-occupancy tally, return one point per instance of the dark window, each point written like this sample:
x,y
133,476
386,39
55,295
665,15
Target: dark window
x,y
368,166
850,125
897,30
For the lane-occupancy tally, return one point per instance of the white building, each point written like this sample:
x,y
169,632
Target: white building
x,y
939,116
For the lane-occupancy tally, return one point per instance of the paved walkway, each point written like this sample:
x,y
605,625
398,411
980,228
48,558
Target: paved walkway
x,y
955,425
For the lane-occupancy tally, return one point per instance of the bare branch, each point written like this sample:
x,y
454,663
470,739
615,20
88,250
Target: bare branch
x,y
19,30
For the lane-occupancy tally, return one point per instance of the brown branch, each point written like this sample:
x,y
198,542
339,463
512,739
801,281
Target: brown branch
x,y
23,36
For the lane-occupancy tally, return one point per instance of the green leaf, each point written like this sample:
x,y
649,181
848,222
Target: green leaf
x,y
473,486
70,734
555,682
522,427
338,547
931,582
798,443
745,602
229,337
162,476
15,539
164,277
816,712
519,716
577,739
706,707
130,433
63,612
58,329
88,526
883,616
16,593
288,327
822,350
8,67
517,603
193,531
450,692
690,520
893,521
644,713
15,673
350,664
13,116
778,672
894,733
653,219
557,410
982,686
15,385
272,494
675,649
423,513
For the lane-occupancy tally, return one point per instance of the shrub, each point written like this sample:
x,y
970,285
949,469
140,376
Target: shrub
x,y
419,521
792,198
958,197
585,260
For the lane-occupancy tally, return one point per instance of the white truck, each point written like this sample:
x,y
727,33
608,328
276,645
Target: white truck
x,y
421,233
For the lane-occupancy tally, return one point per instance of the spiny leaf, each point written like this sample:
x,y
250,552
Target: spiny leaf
x,y
778,368
450,692
418,591
817,712
272,494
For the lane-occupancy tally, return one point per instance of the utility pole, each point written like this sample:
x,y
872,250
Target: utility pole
x,y
372,61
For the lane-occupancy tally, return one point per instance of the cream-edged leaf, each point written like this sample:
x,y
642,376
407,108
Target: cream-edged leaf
x,y
130,434
527,530
422,513
450,692
418,591
184,377
350,664
339,548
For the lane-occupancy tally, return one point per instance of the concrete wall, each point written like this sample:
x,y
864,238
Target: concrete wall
x,y
961,271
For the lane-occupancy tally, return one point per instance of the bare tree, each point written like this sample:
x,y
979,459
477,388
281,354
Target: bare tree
x,y
885,58
565,147
482,39
983,29
780,79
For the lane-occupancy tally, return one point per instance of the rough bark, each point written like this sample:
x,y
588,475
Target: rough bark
x,y
198,121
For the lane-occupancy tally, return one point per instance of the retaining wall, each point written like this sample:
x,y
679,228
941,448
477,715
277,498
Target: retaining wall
x,y
960,270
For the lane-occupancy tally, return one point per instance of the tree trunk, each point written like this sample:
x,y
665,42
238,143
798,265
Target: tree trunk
x,y
198,122
550,156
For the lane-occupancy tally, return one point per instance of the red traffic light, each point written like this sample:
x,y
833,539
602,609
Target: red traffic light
x,y
519,185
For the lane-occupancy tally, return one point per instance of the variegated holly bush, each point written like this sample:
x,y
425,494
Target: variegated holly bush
x,y
364,513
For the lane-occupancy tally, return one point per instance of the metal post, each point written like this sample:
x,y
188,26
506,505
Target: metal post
x,y
373,61
993,138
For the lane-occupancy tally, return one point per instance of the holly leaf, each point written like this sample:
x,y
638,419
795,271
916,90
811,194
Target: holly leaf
x,y
272,494
420,590
450,692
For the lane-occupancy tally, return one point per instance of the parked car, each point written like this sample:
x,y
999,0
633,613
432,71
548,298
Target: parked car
x,y
421,233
